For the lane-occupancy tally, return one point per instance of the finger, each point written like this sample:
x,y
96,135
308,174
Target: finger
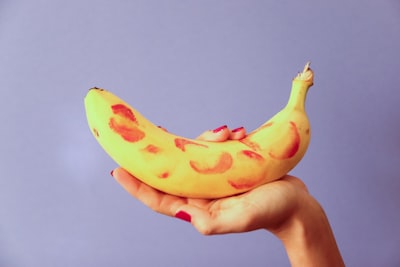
x,y
213,223
238,133
153,198
219,134
295,181
216,221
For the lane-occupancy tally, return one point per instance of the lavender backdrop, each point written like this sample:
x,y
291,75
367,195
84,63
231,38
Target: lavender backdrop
x,y
191,66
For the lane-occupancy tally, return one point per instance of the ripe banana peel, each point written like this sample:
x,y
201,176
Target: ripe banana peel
x,y
201,169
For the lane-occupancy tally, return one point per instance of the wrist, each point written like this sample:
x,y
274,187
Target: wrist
x,y
308,237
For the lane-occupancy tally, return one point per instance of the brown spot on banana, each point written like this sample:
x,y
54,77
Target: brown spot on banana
x,y
223,164
96,132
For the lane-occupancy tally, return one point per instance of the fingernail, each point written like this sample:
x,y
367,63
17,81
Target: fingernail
x,y
183,216
237,129
112,173
220,129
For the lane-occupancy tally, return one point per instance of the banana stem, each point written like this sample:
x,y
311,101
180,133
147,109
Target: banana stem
x,y
300,85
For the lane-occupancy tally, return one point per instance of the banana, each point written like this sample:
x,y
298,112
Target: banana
x,y
201,169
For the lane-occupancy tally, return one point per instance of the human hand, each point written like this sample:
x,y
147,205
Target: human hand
x,y
283,207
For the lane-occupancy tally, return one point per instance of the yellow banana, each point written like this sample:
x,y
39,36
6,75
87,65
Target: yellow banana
x,y
201,169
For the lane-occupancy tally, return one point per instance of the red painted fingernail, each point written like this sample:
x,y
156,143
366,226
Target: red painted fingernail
x,y
183,216
237,129
220,129
112,172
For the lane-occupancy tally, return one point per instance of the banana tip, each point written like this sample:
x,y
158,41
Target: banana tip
x,y
96,88
307,66
306,75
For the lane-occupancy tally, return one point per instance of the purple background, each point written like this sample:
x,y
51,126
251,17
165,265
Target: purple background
x,y
191,66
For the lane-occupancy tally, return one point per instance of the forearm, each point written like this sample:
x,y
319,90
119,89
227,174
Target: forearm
x,y
309,240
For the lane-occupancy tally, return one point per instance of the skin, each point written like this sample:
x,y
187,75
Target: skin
x,y
283,207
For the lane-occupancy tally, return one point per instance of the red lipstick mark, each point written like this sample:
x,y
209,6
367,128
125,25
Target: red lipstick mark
x,y
152,149
123,111
244,183
223,164
252,155
247,183
164,175
291,148
253,145
127,131
125,124
182,143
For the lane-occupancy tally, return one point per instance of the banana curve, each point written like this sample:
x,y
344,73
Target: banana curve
x,y
193,168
